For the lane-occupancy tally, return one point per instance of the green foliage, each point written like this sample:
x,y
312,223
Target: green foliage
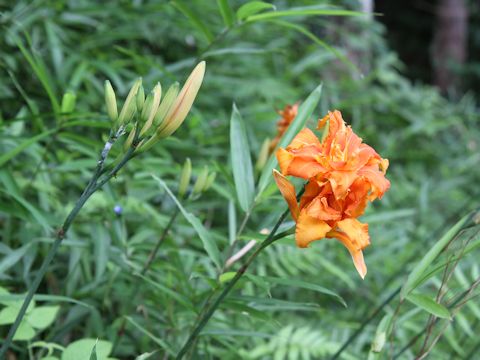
x,y
259,57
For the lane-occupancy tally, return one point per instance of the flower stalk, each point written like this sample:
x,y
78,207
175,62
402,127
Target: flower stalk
x,y
210,310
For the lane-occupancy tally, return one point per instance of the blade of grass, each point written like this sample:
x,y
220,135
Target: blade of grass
x,y
241,161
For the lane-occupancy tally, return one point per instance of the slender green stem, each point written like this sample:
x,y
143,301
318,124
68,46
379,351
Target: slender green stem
x,y
211,310
89,190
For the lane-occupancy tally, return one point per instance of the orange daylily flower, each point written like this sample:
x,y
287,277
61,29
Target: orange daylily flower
x,y
288,114
344,174
341,158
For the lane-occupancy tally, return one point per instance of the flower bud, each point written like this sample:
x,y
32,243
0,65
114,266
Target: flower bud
x,y
111,101
140,98
210,179
151,107
129,107
263,155
68,102
130,138
183,103
201,181
166,104
185,178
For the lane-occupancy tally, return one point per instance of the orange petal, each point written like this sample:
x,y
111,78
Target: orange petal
x,y
309,229
341,182
354,235
288,192
304,164
284,158
305,137
377,180
321,210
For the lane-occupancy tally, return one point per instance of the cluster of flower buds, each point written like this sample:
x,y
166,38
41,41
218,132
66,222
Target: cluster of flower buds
x,y
203,182
151,118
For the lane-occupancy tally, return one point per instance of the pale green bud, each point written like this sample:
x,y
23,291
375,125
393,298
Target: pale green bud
x,y
185,178
111,101
140,98
129,107
166,104
183,103
68,102
263,155
150,110
130,138
201,181
210,179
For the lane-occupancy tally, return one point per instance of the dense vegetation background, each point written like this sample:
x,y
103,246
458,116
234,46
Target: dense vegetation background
x,y
49,48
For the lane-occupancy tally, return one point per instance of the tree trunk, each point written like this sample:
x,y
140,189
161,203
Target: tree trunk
x,y
449,43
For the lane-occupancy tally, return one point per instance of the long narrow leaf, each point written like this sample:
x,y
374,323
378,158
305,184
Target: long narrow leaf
x,y
208,243
23,145
318,41
428,304
303,12
226,12
301,284
415,277
252,8
196,22
304,113
241,161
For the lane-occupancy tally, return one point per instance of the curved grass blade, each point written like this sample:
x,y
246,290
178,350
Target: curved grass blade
x,y
241,161
303,12
208,243
252,8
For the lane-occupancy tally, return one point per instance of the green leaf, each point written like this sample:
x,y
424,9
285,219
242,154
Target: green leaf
x,y
13,257
42,316
304,112
155,339
301,284
40,71
429,305
9,299
8,315
93,354
318,41
225,277
252,8
196,22
303,12
82,349
416,275
208,243
24,332
185,301
241,161
226,12
145,356
6,157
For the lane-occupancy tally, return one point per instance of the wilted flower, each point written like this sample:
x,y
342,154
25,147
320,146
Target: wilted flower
x,y
288,114
344,174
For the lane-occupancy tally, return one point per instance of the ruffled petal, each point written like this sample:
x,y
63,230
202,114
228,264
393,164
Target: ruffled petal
x,y
284,158
321,210
380,184
309,229
288,192
341,182
354,236
305,137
